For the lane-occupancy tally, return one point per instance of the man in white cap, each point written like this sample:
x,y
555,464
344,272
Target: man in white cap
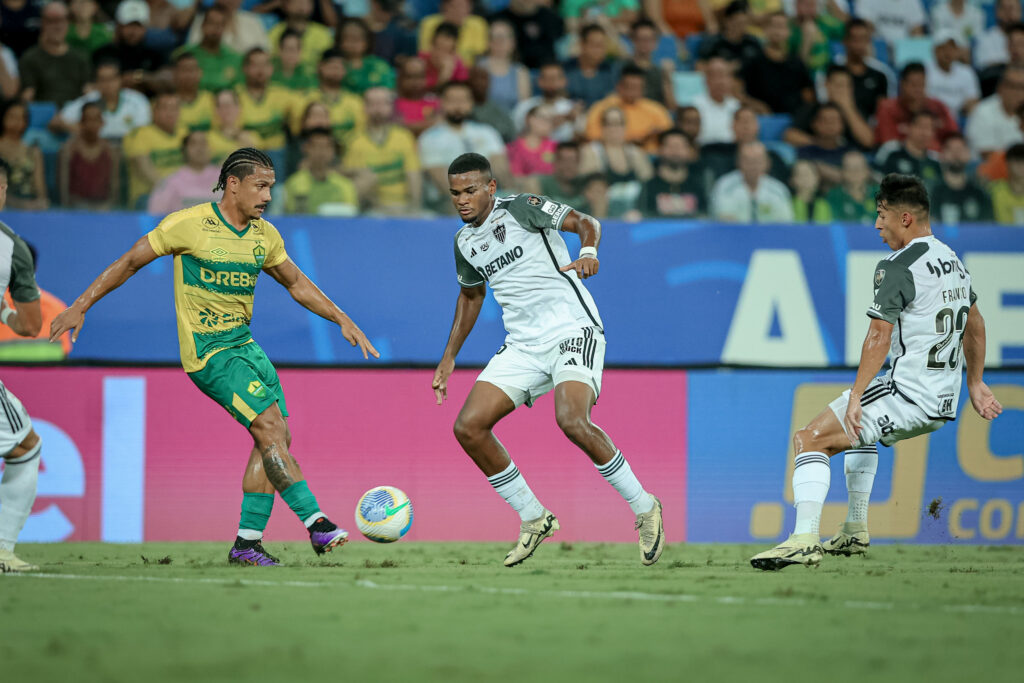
x,y
138,62
950,81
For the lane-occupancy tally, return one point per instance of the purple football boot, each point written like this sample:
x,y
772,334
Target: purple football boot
x,y
325,536
251,553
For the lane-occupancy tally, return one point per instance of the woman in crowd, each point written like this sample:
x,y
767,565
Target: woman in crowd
x,y
88,174
808,204
26,184
532,154
510,81
362,69
625,166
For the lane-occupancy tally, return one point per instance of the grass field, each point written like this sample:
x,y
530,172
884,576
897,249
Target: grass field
x,y
451,612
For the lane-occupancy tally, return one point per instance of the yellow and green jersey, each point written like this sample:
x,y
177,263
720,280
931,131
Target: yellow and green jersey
x,y
162,148
267,116
215,271
348,118
389,160
197,114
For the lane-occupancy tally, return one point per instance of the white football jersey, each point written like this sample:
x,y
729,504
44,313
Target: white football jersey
x,y
518,251
925,291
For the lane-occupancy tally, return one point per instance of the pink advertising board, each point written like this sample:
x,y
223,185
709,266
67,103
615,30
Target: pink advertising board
x,y
140,454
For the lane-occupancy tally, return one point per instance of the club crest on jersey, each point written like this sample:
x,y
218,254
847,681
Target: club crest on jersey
x,y
260,254
533,200
499,232
257,389
879,276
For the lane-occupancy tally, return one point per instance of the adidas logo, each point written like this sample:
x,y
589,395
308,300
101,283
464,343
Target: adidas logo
x,y
472,253
571,361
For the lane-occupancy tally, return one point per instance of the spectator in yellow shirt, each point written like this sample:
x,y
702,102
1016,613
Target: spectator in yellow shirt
x,y
645,118
317,188
265,107
227,134
472,29
196,106
346,110
1008,195
390,152
315,37
154,151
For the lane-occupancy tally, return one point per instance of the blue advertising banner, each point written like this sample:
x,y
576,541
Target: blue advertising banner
x,y
670,293
961,484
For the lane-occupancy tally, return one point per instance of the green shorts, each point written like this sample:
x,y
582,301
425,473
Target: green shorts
x,y
242,380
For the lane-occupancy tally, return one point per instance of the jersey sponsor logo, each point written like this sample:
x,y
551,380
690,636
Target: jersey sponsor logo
x,y
485,246
571,346
886,424
210,222
228,278
549,208
508,258
879,276
945,268
533,200
259,252
212,318
499,232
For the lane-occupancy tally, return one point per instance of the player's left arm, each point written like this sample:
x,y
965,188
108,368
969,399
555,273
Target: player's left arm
x,y
589,230
309,295
872,356
982,398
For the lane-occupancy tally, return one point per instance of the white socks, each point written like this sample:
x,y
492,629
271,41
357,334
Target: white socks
x,y
860,465
811,476
511,486
619,474
17,493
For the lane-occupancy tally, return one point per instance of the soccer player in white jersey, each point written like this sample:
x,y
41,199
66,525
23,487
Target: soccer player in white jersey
x,y
924,315
555,340
19,444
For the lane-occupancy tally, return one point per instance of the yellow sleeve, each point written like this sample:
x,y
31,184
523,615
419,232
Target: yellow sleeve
x,y
347,189
427,27
354,154
298,108
473,38
276,254
133,146
174,235
408,144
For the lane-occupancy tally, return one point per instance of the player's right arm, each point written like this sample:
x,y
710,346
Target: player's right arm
x,y
467,309
112,277
982,398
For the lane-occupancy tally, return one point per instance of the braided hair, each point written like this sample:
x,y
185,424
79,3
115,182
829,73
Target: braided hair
x,y
241,163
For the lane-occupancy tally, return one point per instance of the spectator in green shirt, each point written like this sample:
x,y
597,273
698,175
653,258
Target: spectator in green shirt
x,y
221,66
289,69
318,188
853,199
811,33
362,70
85,33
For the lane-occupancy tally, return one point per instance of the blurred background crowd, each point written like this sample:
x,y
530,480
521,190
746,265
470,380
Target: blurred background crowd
x,y
748,111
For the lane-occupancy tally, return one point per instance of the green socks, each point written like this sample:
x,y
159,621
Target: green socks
x,y
302,502
256,509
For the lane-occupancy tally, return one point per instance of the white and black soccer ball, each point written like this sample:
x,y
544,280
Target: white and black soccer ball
x,y
384,514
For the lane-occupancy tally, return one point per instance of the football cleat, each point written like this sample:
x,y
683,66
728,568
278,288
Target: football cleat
x,y
852,539
531,533
326,536
802,549
253,554
9,562
652,533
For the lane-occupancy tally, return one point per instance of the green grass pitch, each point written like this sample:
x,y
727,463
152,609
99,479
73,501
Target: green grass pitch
x,y
450,612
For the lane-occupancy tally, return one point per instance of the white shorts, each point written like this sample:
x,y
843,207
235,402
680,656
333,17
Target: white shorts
x,y
886,416
527,372
14,421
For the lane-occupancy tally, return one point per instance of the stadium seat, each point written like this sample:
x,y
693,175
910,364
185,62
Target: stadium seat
x,y
783,149
916,49
40,113
687,85
881,49
773,126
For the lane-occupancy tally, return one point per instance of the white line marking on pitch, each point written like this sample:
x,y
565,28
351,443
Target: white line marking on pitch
x,y
492,590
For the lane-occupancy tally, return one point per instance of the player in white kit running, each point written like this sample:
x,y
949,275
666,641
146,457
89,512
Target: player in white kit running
x,y
19,444
555,340
925,316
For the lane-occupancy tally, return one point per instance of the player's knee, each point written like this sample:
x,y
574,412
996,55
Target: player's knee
x,y
467,430
805,440
269,428
572,424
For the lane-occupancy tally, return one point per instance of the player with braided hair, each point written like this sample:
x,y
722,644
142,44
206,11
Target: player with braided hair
x,y
219,249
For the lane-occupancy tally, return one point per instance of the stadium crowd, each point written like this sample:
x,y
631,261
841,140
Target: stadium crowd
x,y
767,111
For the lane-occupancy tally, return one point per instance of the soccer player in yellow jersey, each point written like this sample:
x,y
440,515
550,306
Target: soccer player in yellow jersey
x,y
219,250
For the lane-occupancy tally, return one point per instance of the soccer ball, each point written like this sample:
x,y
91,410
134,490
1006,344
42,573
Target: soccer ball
x,y
384,514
